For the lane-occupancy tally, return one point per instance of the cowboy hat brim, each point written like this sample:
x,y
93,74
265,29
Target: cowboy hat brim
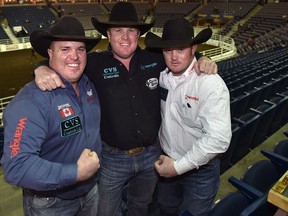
x,y
102,27
154,41
41,40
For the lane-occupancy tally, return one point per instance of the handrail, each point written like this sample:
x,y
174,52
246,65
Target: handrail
x,y
3,103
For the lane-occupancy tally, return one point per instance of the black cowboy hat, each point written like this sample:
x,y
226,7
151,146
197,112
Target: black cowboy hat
x,y
122,14
66,28
177,32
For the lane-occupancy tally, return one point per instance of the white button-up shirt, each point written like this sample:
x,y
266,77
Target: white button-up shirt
x,y
196,123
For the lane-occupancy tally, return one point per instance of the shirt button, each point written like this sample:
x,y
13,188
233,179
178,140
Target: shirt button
x,y
136,114
138,131
133,96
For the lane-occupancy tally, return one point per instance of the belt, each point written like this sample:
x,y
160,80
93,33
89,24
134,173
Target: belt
x,y
38,194
135,151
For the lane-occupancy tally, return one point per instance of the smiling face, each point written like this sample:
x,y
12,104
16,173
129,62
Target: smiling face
x,y
179,59
68,58
124,41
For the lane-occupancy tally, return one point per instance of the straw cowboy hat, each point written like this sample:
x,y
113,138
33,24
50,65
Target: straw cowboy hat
x,y
177,32
122,14
66,28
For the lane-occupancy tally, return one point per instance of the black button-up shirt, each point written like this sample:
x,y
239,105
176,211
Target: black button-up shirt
x,y
130,100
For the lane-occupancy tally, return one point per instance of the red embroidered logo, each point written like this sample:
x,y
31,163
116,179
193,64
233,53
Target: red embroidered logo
x,y
191,98
15,144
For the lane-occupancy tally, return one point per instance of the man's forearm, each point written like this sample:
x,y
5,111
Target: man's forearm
x,y
41,63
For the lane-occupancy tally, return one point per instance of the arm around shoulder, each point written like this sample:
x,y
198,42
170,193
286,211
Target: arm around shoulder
x,y
46,78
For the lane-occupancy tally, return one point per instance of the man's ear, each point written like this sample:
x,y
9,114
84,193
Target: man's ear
x,y
108,35
49,51
194,49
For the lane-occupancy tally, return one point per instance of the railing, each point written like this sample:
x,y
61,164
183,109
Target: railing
x,y
24,43
6,45
3,103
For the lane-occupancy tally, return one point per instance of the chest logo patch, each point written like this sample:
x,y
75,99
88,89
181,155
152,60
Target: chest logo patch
x,y
110,73
70,126
152,83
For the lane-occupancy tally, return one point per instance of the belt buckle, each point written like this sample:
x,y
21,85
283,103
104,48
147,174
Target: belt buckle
x,y
135,151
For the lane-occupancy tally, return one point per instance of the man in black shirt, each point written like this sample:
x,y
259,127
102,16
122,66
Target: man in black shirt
x,y
126,79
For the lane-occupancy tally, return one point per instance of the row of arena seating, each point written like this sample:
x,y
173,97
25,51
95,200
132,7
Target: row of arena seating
x,y
237,9
165,11
259,100
261,25
253,127
254,78
29,17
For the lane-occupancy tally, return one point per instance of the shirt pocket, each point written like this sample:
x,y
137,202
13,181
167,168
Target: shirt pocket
x,y
189,111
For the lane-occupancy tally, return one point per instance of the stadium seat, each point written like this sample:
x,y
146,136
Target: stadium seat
x,y
278,159
248,124
269,89
234,202
257,176
254,98
239,105
239,204
278,121
266,111
255,184
281,148
226,157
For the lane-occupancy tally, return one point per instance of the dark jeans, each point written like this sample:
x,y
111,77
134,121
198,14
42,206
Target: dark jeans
x,y
134,172
193,191
53,206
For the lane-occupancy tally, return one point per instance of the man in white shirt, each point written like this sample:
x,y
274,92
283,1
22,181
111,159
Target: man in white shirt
x,y
196,124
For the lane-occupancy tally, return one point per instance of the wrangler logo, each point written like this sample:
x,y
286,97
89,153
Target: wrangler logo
x,y
191,98
15,144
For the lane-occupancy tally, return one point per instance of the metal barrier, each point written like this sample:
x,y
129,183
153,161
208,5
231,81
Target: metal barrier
x,y
3,103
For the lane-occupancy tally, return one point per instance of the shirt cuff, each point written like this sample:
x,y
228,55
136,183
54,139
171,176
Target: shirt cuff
x,y
68,175
182,166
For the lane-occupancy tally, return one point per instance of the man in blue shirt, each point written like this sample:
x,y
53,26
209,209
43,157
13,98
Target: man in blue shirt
x,y
52,139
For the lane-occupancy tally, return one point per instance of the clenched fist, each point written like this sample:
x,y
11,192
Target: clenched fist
x,y
165,167
88,164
